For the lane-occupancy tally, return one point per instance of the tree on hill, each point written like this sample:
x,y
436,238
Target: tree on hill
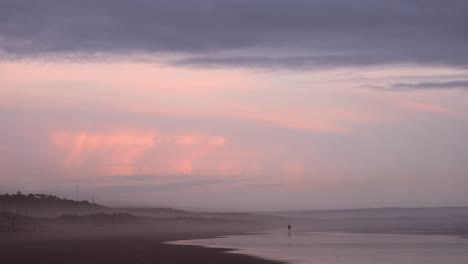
x,y
40,200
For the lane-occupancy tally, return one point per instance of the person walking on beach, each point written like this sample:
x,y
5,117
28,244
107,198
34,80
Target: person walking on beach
x,y
289,230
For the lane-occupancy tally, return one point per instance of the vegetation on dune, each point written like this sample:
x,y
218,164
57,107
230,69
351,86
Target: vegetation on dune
x,y
9,202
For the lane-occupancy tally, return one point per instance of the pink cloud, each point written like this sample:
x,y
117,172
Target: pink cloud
x,y
218,141
422,107
139,88
120,147
189,140
117,151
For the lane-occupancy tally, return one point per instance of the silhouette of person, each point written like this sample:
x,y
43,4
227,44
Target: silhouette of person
x,y
289,229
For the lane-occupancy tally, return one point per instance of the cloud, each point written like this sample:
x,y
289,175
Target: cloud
x,y
423,107
182,185
292,62
125,151
136,178
458,84
241,33
358,58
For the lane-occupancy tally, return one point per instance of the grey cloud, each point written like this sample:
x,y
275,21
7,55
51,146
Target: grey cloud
x,y
458,84
262,33
360,59
431,85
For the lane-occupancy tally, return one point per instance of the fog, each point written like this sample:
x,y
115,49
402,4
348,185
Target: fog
x,y
236,105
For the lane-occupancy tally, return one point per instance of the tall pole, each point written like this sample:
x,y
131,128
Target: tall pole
x,y
77,193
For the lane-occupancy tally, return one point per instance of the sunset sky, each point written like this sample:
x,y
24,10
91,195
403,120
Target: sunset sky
x,y
236,105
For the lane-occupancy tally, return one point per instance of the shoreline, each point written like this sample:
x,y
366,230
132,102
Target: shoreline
x,y
225,250
240,243
138,244
416,233
52,247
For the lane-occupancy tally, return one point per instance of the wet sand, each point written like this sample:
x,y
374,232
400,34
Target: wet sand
x,y
115,248
338,247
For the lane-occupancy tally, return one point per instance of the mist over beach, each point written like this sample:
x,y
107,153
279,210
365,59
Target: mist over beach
x,y
214,131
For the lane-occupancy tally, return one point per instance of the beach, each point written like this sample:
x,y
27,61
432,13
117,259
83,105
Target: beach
x,y
305,247
82,248
162,235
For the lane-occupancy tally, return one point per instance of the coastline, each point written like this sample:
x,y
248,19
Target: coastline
x,y
330,245
226,250
117,248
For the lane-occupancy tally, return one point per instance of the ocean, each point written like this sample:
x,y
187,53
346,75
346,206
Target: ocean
x,y
332,247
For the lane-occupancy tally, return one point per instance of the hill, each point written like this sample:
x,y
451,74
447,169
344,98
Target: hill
x,y
45,205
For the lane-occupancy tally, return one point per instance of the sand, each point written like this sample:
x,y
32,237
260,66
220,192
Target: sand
x,y
120,247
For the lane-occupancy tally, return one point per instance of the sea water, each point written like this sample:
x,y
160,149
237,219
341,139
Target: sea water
x,y
350,248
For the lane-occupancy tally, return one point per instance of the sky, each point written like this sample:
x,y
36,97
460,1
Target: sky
x,y
246,105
